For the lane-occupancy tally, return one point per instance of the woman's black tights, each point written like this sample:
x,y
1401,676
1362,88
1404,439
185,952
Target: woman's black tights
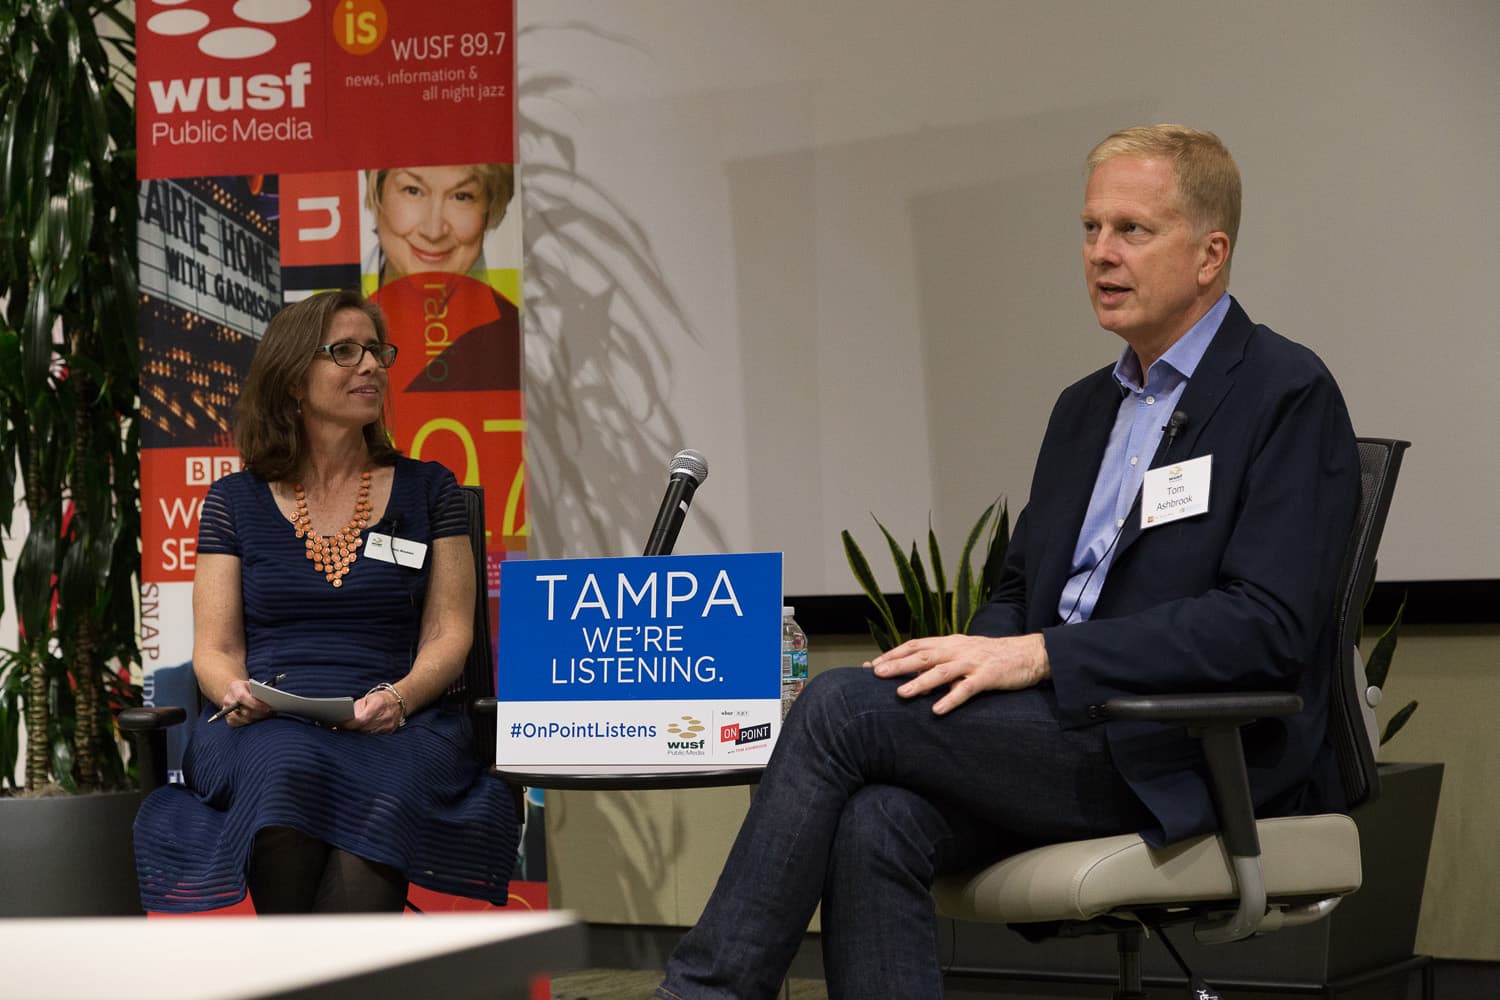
x,y
291,872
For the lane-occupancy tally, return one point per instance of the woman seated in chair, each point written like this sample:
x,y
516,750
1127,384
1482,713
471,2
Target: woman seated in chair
x,y
311,817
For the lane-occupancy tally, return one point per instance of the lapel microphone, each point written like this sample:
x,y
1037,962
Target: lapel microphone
x,y
1175,423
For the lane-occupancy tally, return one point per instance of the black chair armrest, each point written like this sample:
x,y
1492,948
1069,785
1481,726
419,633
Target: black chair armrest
x,y
485,711
1234,708
145,719
147,728
1215,719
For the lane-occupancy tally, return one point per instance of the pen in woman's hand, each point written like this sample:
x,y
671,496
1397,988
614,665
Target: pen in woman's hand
x,y
273,682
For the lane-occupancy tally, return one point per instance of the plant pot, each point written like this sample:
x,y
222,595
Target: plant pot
x,y
69,856
1378,924
1374,928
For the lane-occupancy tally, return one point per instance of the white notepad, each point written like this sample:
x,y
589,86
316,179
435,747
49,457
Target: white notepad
x,y
332,710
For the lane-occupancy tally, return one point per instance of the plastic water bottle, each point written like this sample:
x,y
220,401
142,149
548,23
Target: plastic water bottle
x,y
793,659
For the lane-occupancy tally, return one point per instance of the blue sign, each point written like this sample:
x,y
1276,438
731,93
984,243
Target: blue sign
x,y
643,628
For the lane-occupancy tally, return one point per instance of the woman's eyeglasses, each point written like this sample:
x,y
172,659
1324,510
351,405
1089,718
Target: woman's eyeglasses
x,y
349,353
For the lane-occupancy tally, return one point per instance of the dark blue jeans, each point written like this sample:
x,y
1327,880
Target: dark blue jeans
x,y
868,797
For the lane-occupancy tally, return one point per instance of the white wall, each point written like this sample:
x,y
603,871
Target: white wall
x,y
841,256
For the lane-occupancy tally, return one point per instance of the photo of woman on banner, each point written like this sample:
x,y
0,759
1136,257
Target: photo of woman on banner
x,y
436,218
443,261
331,567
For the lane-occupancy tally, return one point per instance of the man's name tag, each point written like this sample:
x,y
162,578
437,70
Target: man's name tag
x,y
1173,492
401,551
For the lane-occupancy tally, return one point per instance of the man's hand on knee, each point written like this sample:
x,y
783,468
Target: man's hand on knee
x,y
967,664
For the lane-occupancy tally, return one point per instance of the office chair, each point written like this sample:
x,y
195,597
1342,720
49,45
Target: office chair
x,y
1254,876
147,726
476,686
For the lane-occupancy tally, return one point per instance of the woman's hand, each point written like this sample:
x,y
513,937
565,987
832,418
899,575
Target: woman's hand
x,y
244,707
967,664
377,712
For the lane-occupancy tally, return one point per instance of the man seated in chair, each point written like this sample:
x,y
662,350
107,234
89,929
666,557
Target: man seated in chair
x,y
1185,531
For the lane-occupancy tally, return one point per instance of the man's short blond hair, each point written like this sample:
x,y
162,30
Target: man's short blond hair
x,y
1208,182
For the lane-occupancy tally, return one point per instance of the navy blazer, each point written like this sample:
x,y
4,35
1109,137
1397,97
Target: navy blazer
x,y
1240,598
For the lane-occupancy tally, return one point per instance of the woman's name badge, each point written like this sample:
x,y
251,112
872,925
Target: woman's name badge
x,y
1173,492
401,551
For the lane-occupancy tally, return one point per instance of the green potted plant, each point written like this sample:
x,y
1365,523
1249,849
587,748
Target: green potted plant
x,y
1379,666
934,608
68,428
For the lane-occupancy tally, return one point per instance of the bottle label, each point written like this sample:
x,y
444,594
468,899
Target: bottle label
x,y
791,687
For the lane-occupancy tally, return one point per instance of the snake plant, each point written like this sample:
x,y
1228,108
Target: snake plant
x,y
936,609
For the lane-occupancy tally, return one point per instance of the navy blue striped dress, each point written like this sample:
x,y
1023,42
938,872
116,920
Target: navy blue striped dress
x,y
414,799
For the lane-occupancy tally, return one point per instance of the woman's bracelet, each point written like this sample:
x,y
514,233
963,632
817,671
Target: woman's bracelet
x,y
400,701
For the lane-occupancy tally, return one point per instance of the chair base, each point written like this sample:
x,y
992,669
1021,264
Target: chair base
x,y
965,981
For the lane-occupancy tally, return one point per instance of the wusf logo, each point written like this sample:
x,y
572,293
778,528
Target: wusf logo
x,y
686,738
261,92
242,33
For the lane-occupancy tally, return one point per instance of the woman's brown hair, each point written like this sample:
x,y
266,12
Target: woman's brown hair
x,y
267,426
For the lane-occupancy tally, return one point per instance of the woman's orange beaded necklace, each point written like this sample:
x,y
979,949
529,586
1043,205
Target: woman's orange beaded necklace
x,y
332,555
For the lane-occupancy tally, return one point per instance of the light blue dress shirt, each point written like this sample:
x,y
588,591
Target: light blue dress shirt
x,y
1145,408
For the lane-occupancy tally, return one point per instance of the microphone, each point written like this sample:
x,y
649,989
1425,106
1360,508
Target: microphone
x,y
687,471
1175,423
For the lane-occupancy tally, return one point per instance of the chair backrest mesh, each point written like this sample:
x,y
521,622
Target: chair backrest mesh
x,y
478,680
1379,463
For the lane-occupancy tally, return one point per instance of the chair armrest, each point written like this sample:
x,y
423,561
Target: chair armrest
x,y
482,715
145,719
1235,708
147,728
1215,719
485,711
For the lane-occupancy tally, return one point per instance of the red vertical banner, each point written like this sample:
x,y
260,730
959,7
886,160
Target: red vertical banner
x,y
287,147
318,85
